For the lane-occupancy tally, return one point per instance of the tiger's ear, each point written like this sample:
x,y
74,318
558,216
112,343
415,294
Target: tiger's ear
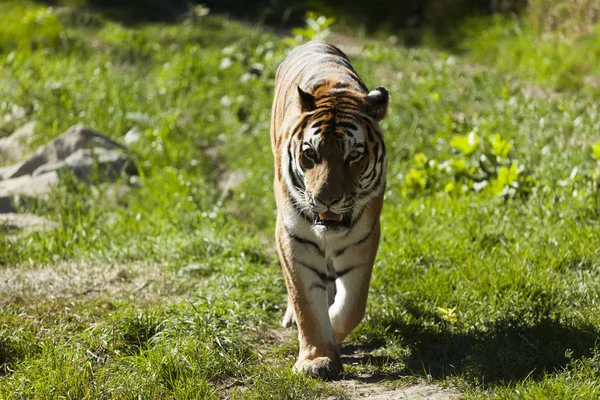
x,y
307,100
377,103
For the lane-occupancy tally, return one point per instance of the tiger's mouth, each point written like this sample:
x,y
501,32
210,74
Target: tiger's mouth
x,y
331,220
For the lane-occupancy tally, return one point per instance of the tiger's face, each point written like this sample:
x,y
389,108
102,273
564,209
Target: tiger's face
x,y
341,161
334,164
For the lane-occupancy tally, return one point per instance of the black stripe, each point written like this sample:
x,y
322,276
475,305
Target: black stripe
x,y
318,132
295,179
339,274
362,240
371,174
317,286
300,130
351,95
370,135
320,78
348,125
349,113
355,221
343,102
340,102
374,129
321,275
305,241
378,181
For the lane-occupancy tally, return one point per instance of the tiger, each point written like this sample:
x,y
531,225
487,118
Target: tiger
x,y
329,181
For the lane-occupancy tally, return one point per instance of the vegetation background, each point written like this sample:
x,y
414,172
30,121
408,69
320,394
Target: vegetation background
x,y
488,275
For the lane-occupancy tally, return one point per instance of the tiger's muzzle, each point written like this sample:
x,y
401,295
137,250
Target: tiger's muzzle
x,y
333,221
331,218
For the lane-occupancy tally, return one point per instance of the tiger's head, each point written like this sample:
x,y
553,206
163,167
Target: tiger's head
x,y
338,160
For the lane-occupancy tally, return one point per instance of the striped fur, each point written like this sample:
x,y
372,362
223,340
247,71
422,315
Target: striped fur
x,y
330,165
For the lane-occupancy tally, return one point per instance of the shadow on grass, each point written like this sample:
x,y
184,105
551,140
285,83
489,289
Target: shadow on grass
x,y
411,19
131,12
357,354
507,350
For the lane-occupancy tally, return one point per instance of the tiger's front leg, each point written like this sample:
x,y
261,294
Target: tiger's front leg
x,y
305,272
353,269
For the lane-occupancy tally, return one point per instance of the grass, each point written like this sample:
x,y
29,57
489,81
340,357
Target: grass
x,y
173,290
554,59
552,43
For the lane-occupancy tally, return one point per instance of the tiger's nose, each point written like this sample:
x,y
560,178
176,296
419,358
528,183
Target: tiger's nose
x,y
330,201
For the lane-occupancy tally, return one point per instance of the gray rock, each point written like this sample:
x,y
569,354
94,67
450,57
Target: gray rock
x,y
29,186
8,171
89,155
62,147
13,147
16,112
12,190
84,163
23,222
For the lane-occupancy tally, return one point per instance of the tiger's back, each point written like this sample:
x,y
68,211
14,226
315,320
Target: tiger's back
x,y
330,163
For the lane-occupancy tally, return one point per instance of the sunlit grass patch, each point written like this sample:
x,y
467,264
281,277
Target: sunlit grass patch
x,y
17,340
29,26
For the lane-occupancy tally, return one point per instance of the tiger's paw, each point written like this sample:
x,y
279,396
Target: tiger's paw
x,y
323,367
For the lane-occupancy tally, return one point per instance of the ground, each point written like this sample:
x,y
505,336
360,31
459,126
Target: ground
x,y
486,283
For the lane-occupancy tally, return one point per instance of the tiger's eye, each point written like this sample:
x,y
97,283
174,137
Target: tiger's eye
x,y
310,154
354,155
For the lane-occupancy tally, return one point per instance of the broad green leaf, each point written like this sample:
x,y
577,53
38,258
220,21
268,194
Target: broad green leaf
x,y
596,150
448,314
500,147
420,159
459,165
506,177
416,179
466,143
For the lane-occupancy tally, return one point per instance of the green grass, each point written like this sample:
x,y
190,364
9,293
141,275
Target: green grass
x,y
494,290
564,60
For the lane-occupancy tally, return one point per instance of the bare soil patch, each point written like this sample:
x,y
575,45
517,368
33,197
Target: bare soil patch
x,y
375,391
81,280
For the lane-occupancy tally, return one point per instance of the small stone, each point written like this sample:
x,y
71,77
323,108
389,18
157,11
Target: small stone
x,y
12,190
23,222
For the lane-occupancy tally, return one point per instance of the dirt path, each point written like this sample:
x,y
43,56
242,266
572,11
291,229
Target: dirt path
x,y
375,391
366,386
80,282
